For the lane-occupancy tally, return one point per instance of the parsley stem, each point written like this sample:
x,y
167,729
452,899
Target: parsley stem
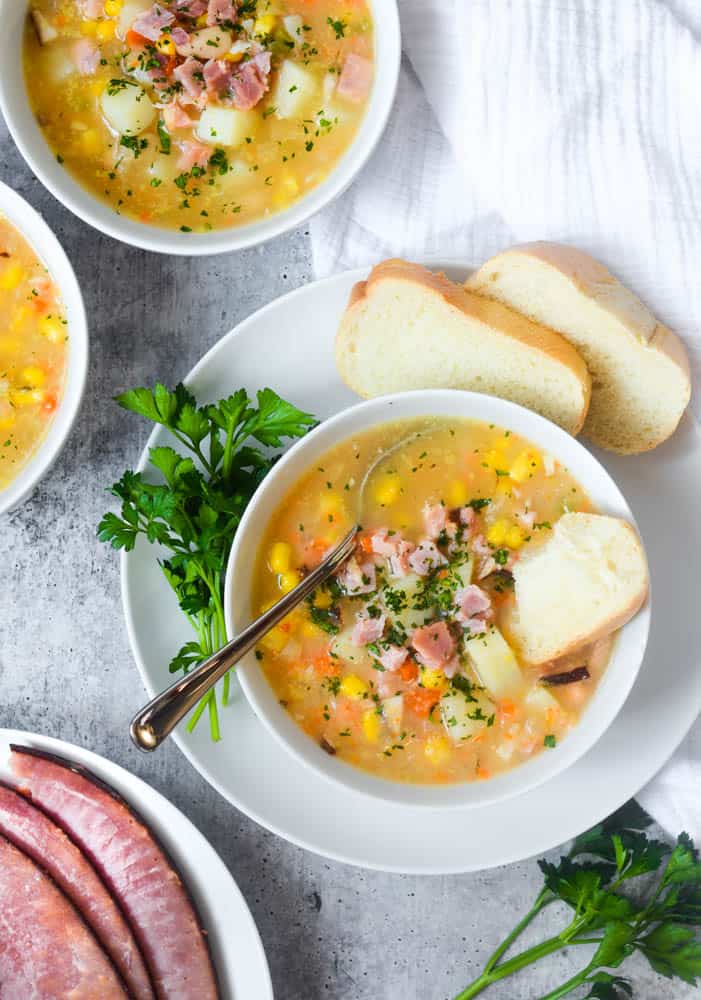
x,y
196,715
542,900
514,964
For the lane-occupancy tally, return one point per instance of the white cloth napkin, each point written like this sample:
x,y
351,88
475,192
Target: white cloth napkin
x,y
571,120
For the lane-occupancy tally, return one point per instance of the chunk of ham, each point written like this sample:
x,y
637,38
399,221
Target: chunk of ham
x,y
176,117
487,563
151,22
393,548
86,56
193,154
367,629
220,11
93,8
217,77
467,517
434,645
44,842
46,950
435,519
426,557
474,608
250,83
389,684
357,578
356,78
191,77
181,40
393,657
134,867
189,8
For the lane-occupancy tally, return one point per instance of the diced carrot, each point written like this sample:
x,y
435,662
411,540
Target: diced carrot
x,y
364,543
408,671
421,701
284,626
506,707
50,403
482,773
134,40
325,666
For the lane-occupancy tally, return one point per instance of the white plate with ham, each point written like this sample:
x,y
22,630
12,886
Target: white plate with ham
x,y
107,890
254,772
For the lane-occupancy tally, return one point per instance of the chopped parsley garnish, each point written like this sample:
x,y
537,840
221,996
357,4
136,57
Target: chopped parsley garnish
x,y
134,143
337,26
550,741
163,136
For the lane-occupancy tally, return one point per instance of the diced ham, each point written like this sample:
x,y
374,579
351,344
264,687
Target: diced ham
x,y
86,56
217,77
452,667
220,11
250,82
135,868
475,626
151,22
393,657
472,602
189,8
467,517
193,154
435,519
434,645
356,78
46,950
367,629
175,117
190,75
44,842
357,578
426,557
394,548
181,41
93,8
389,684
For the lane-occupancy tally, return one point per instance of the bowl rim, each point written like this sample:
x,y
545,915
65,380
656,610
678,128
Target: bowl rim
x,y
14,105
36,231
612,691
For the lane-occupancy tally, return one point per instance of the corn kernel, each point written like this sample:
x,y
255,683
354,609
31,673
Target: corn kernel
x,y
371,725
33,376
288,581
310,630
437,749
89,28
11,276
514,537
353,687
52,328
104,31
201,21
7,420
26,397
233,57
264,25
330,503
166,45
494,459
387,489
496,533
90,140
434,680
525,464
322,599
457,494
280,558
113,7
275,641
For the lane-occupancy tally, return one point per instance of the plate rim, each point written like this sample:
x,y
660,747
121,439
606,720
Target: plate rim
x,y
427,868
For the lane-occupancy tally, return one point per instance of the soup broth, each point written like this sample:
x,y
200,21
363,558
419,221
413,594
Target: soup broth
x,y
33,351
199,114
404,664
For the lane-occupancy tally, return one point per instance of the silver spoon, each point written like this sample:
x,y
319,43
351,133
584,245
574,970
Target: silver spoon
x,y
156,721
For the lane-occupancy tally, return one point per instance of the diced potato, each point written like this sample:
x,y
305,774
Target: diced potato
x,y
226,126
393,711
296,88
127,107
495,664
462,717
465,570
45,30
210,43
293,26
129,12
57,63
540,700
345,650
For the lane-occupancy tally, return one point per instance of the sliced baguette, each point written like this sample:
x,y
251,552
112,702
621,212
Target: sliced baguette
x,y
587,580
639,368
407,328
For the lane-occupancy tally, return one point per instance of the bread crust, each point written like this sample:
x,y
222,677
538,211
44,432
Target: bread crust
x,y
487,311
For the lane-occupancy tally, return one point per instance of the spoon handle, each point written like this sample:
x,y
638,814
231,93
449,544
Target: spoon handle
x,y
155,722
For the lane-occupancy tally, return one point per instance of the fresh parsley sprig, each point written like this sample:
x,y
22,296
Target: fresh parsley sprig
x,y
195,508
657,920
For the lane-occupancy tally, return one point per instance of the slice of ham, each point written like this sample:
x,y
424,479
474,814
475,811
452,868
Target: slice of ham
x,y
434,645
472,602
191,77
46,950
29,829
356,78
367,629
357,578
175,117
220,11
393,548
393,657
435,519
217,77
487,563
426,557
133,865
467,517
189,8
250,83
151,23
181,40
86,56
193,154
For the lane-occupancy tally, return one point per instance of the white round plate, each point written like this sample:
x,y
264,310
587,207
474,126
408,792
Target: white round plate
x,y
236,947
288,345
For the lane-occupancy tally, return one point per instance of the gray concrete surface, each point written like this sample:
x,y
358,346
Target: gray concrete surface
x,y
330,931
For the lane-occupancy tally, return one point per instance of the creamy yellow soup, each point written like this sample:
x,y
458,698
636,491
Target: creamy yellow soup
x,y
404,665
33,351
199,114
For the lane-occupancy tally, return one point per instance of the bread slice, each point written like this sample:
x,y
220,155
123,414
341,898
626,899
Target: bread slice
x,y
407,328
587,580
639,368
